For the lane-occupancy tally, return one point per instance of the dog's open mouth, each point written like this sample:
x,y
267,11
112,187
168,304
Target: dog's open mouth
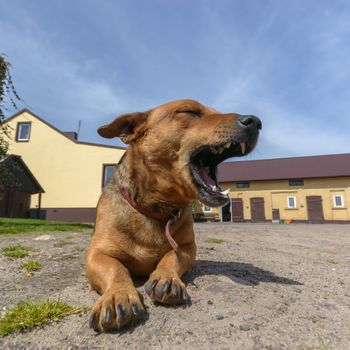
x,y
203,166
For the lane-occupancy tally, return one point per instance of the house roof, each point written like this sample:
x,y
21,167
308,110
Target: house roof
x,y
333,165
22,178
59,131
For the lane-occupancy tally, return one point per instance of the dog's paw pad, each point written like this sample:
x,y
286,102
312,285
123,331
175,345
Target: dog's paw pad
x,y
114,310
167,290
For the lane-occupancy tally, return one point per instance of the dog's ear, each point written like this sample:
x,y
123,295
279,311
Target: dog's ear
x,y
128,127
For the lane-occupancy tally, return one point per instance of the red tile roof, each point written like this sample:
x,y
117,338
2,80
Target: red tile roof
x,y
286,168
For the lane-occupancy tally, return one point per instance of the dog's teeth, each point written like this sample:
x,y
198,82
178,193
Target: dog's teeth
x,y
220,150
228,145
213,188
243,147
213,150
226,192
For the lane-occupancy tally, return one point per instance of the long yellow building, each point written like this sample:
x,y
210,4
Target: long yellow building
x,y
70,172
313,189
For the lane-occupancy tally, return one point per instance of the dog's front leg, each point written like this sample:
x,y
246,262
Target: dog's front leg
x,y
120,302
164,284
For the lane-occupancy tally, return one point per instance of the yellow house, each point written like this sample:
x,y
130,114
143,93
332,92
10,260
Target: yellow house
x,y
70,172
67,176
313,189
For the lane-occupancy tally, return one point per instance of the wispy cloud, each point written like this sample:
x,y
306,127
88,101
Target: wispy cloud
x,y
296,85
92,61
55,85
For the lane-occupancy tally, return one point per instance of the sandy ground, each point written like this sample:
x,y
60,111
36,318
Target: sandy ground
x,y
266,287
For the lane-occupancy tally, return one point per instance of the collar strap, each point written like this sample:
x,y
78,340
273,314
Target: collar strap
x,y
165,218
142,210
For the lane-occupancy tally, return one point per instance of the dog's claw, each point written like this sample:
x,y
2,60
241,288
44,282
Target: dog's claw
x,y
185,295
154,283
165,287
135,310
149,286
119,312
108,315
174,290
93,322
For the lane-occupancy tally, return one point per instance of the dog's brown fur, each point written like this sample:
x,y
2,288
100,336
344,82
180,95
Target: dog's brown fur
x,y
154,170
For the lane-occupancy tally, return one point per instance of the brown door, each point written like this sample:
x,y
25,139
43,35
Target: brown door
x,y
257,209
4,198
16,204
226,212
275,214
314,209
237,209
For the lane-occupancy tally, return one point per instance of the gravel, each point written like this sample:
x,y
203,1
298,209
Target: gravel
x,y
267,286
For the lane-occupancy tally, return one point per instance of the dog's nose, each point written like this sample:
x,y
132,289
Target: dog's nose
x,y
249,121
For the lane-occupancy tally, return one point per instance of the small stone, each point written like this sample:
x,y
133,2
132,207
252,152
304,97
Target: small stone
x,y
244,327
210,302
219,317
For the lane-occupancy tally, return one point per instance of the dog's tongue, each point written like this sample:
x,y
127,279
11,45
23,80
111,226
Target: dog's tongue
x,y
205,176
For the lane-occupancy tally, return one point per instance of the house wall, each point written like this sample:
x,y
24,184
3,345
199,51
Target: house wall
x,y
69,172
275,193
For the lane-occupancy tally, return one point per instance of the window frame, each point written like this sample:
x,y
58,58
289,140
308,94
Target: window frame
x,y
18,131
207,211
104,167
290,182
341,199
243,184
295,202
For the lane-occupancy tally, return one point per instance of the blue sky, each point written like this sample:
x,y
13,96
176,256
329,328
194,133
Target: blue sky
x,y
287,62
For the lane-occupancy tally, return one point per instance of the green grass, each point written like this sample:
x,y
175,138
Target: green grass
x,y
17,251
214,240
78,249
14,226
69,237
31,265
62,243
31,314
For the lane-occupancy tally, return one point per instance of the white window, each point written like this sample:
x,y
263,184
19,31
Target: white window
x,y
207,209
23,131
292,201
338,201
108,171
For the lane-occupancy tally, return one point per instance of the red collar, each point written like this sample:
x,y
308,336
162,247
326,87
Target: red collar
x,y
144,211
163,217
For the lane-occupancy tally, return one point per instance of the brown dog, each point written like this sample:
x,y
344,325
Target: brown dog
x,y
144,222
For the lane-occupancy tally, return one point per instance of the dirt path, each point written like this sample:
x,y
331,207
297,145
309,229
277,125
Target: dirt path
x,y
265,287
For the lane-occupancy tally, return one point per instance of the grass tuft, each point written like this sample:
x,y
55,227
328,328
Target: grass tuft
x,y
17,251
13,226
62,243
214,240
31,265
31,314
78,249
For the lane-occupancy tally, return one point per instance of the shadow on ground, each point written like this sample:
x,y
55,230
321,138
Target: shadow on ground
x,y
242,273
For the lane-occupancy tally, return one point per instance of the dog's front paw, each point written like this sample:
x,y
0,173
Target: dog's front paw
x,y
166,288
116,309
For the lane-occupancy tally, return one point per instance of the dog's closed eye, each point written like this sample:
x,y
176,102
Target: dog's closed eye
x,y
192,113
